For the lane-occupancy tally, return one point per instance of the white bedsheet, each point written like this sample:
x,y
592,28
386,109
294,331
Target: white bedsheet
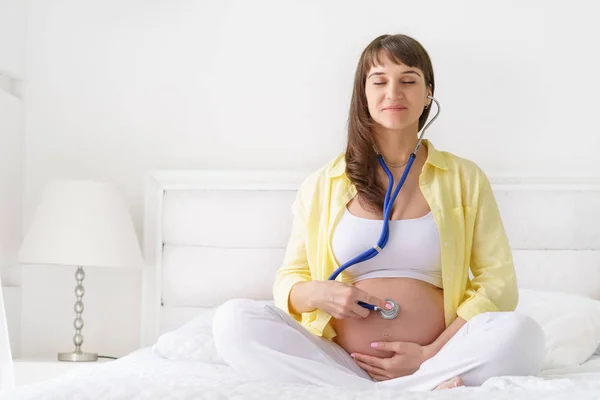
x,y
145,375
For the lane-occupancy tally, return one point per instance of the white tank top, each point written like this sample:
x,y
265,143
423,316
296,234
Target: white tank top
x,y
412,250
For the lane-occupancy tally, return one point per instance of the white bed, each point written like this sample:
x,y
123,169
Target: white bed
x,y
143,375
240,221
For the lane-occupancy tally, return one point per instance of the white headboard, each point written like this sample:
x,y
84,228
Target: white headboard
x,y
214,235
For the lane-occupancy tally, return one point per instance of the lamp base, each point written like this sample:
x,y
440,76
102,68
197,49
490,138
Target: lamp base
x,y
77,356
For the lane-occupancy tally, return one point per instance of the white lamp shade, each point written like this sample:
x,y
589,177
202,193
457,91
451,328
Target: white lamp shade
x,y
82,223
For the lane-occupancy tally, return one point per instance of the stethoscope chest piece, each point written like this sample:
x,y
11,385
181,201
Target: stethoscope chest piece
x,y
389,314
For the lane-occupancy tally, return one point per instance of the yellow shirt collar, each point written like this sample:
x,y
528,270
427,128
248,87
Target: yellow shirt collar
x,y
434,157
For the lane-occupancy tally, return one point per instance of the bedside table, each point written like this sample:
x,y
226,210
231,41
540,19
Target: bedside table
x,y
30,370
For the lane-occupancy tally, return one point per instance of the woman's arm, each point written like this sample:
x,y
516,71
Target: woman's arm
x,y
301,297
434,348
493,287
494,283
294,269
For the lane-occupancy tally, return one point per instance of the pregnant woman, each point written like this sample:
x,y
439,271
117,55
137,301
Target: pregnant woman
x,y
446,270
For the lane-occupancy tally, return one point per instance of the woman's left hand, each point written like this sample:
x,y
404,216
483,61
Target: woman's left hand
x,y
407,359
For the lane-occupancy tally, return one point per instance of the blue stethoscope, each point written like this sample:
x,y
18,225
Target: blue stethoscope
x,y
387,207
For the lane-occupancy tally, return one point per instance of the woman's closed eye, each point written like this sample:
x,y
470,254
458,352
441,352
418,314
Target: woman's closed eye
x,y
383,83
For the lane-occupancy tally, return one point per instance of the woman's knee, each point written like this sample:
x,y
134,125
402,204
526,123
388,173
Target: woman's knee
x,y
524,333
520,346
513,345
237,321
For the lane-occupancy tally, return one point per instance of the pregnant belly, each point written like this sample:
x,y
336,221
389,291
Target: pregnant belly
x,y
421,317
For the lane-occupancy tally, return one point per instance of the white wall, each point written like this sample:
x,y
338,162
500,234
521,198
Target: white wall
x,y
11,190
116,88
12,37
12,61
11,184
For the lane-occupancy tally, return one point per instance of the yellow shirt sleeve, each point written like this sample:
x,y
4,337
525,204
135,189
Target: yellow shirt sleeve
x,y
494,284
295,267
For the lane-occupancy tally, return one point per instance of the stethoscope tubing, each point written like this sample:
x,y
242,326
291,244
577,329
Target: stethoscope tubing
x,y
387,207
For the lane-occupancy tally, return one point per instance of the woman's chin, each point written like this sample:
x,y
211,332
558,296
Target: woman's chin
x,y
395,125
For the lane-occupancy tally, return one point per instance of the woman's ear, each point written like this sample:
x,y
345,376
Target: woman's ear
x,y
429,93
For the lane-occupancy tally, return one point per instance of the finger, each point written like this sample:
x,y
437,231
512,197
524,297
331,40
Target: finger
x,y
396,347
350,309
361,311
370,299
379,378
370,368
371,360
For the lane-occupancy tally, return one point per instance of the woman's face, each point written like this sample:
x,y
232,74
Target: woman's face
x,y
396,94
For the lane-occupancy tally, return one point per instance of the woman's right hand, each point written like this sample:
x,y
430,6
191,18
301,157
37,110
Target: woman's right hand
x,y
340,300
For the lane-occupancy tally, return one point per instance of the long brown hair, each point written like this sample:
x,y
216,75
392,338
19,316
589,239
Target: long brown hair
x,y
361,160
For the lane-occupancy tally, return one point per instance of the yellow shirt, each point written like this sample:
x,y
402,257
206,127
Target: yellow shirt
x,y
471,236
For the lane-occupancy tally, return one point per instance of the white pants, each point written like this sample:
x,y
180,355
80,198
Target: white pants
x,y
264,343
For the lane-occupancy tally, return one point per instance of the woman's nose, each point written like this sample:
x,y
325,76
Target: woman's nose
x,y
394,91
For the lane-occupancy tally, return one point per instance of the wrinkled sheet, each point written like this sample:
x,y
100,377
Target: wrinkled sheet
x,y
145,375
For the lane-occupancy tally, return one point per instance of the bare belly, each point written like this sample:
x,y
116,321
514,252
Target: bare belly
x,y
421,317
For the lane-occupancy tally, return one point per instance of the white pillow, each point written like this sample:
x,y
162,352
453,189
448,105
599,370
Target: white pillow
x,y
571,323
192,341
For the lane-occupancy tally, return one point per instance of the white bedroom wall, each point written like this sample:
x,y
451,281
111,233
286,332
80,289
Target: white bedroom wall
x,y
12,61
117,88
12,37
